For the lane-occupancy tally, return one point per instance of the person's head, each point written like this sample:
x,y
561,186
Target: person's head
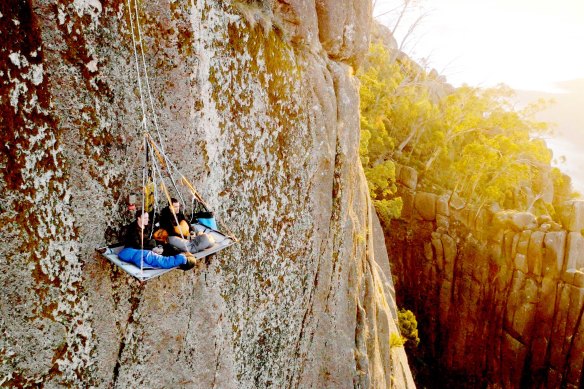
x,y
175,205
142,218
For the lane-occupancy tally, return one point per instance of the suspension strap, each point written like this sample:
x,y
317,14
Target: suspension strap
x,y
165,162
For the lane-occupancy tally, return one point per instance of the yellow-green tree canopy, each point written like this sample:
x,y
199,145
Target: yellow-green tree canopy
x,y
471,141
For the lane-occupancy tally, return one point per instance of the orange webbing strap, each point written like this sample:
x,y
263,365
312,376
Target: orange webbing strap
x,y
165,163
185,182
192,189
157,152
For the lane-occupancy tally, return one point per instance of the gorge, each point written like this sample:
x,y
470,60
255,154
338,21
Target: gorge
x,y
499,295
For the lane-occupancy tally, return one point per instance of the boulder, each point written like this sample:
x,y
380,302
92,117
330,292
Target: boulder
x,y
442,206
425,204
383,34
524,220
456,202
517,221
343,27
408,177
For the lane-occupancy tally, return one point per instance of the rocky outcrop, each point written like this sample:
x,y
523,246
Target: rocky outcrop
x,y
257,103
499,295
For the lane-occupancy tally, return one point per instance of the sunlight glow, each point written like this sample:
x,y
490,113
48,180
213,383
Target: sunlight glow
x,y
533,46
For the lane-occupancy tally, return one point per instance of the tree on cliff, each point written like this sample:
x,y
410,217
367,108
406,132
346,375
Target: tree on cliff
x,y
379,81
471,141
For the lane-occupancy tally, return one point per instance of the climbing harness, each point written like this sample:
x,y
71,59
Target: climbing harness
x,y
158,168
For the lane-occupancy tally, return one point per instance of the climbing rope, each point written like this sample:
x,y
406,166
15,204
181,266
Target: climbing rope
x,y
144,173
156,198
164,188
142,105
157,149
127,179
146,78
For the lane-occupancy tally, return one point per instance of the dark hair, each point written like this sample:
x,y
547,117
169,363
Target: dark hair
x,y
173,201
139,213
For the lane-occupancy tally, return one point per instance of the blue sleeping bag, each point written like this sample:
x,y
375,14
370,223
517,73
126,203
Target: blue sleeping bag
x,y
150,258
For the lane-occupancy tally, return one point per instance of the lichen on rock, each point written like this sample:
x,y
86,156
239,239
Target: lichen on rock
x,y
257,112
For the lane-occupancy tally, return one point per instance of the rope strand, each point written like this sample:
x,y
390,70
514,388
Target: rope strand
x,y
137,66
142,209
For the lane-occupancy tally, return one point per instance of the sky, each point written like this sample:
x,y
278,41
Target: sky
x,y
533,46
526,44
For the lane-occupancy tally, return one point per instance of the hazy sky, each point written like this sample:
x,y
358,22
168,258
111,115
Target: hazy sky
x,y
527,44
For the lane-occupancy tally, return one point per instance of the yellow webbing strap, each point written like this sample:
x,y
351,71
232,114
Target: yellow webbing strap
x,y
149,196
157,152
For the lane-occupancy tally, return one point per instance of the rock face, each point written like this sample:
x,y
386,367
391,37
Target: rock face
x,y
499,296
257,104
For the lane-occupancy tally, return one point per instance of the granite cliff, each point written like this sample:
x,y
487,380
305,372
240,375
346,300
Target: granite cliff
x,y
499,295
257,102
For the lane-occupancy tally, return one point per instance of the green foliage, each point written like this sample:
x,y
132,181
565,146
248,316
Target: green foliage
x,y
388,209
381,179
379,80
408,326
396,341
468,141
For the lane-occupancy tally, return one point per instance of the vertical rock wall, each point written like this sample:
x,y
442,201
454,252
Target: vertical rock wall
x,y
256,102
499,295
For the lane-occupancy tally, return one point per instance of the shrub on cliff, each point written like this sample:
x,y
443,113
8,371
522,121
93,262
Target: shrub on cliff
x,y
408,326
